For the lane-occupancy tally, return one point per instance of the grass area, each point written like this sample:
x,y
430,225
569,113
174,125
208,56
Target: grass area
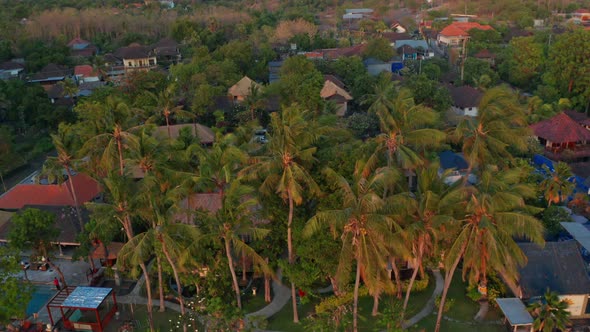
x,y
163,321
283,321
463,310
251,303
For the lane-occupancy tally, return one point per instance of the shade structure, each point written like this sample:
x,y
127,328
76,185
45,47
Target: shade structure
x,y
515,311
83,308
86,297
579,231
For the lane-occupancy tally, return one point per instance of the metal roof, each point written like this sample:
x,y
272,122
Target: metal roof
x,y
579,231
86,297
515,311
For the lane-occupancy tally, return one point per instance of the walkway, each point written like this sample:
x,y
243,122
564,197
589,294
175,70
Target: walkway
x,y
429,307
282,294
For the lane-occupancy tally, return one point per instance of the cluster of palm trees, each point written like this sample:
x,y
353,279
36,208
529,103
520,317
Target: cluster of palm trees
x,y
379,217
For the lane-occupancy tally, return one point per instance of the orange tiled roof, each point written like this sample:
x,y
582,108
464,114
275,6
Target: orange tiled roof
x,y
51,194
457,29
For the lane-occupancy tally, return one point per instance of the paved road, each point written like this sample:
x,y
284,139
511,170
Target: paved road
x,y
429,307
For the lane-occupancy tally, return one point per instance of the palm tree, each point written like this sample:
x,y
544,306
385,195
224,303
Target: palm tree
x,y
556,186
550,313
70,89
365,230
495,214
500,124
255,100
284,169
381,101
231,223
167,107
121,204
65,161
424,215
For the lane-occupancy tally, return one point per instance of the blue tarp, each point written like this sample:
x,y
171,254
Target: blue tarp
x,y
540,160
452,160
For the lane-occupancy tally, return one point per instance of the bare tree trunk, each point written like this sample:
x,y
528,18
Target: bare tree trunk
x,y
234,278
160,283
75,197
355,303
168,127
244,279
148,287
176,278
375,310
335,287
412,279
291,255
398,280
448,279
120,150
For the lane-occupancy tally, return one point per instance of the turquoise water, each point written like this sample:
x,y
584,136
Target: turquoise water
x,y
41,295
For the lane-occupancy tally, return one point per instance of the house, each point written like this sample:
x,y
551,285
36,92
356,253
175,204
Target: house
x,y
563,138
334,91
25,194
420,46
136,57
454,167
397,27
85,89
457,32
557,266
335,53
579,117
11,69
167,52
50,75
582,14
375,67
407,52
516,314
242,89
393,37
82,48
85,73
115,70
487,56
465,100
357,13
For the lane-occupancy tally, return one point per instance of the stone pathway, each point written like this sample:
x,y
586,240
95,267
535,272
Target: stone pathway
x,y
429,307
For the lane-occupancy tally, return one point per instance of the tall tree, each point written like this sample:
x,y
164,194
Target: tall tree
x,y
35,229
284,169
495,215
367,233
14,293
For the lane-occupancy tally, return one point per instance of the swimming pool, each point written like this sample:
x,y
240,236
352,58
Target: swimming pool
x,y
41,295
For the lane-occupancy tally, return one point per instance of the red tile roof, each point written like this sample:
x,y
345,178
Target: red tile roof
x,y
51,194
561,129
457,29
335,53
579,117
85,71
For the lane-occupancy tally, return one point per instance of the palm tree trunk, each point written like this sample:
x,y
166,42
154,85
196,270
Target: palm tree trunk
x,y
375,310
244,279
160,283
176,278
448,279
413,278
148,287
267,297
335,288
234,278
75,197
398,280
291,255
355,303
120,151
168,126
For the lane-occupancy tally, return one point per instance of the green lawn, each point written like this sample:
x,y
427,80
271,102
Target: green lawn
x,y
163,321
283,321
251,303
463,310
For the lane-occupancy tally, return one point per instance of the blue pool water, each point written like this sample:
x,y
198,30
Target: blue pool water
x,y
41,295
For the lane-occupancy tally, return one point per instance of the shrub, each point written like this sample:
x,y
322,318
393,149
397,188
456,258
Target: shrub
x,y
448,303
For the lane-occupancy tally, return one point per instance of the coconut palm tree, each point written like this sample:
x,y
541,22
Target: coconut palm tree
x,y
500,125
166,107
425,215
365,230
284,169
69,89
495,214
255,100
231,223
54,168
556,186
550,313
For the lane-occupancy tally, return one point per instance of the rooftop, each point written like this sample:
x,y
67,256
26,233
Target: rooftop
x,y
243,87
561,129
557,266
465,96
457,29
206,135
86,297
